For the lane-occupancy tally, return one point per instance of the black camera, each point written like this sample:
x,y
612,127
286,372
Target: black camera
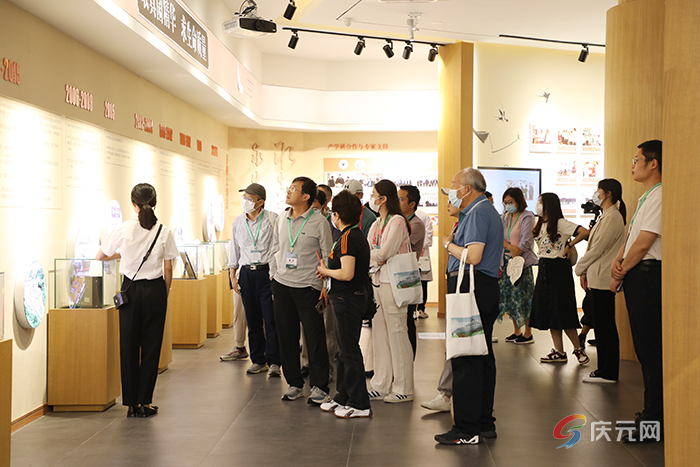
x,y
120,299
589,207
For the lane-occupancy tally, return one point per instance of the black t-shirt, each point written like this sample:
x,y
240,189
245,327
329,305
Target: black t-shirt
x,y
352,242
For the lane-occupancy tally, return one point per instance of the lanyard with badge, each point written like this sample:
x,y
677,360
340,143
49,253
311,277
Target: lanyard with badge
x,y
255,254
512,225
380,232
292,257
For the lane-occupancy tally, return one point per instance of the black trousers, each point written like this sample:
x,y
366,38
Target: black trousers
x,y
602,308
350,374
412,333
642,287
293,306
474,382
421,306
256,294
141,325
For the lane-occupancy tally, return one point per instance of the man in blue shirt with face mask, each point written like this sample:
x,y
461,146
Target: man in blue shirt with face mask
x,y
480,231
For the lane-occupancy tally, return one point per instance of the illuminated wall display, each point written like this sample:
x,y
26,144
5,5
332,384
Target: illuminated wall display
x,y
30,296
109,110
78,98
175,22
10,71
142,123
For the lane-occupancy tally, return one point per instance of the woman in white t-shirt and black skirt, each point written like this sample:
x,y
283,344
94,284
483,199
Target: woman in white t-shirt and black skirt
x,y
142,317
554,299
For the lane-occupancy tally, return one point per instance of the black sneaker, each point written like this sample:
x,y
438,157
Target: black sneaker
x,y
488,434
512,338
582,341
522,340
452,438
592,342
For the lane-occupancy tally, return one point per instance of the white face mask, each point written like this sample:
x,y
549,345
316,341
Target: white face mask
x,y
538,209
597,200
376,204
248,205
511,208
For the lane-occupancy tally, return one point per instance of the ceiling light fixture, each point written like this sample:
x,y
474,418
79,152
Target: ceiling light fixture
x,y
389,49
432,53
291,9
407,51
584,53
360,45
293,40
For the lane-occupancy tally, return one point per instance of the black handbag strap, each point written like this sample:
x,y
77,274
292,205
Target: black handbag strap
x,y
148,253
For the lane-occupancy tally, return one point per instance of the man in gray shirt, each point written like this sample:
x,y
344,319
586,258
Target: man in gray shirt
x,y
409,197
252,245
304,239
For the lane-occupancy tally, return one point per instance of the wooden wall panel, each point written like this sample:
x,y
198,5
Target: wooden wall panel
x,y
681,255
456,81
633,105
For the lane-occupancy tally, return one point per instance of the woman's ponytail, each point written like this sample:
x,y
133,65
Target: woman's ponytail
x,y
143,195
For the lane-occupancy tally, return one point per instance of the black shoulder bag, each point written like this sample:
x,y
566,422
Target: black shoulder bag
x,y
120,298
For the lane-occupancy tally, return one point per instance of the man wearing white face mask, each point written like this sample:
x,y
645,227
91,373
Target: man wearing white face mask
x,y
252,244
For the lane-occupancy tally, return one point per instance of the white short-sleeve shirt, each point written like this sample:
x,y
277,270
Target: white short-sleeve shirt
x,y
132,241
648,219
549,250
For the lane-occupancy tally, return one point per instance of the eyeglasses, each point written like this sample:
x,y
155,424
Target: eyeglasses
x,y
291,189
635,160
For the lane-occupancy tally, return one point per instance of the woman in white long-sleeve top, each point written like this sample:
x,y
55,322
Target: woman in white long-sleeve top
x,y
393,356
604,242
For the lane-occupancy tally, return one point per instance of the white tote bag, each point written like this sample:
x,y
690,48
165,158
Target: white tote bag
x,y
464,335
404,277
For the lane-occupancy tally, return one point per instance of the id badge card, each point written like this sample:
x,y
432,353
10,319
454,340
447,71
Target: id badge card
x,y
255,256
328,284
291,260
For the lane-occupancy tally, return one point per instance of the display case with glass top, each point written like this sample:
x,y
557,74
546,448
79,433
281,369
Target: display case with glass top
x,y
190,264
218,256
85,283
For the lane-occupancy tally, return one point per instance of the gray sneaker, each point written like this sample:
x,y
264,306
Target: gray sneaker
x,y
274,371
256,368
238,353
292,394
318,396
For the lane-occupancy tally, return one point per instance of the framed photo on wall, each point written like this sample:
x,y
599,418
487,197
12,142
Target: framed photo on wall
x,y
499,179
541,138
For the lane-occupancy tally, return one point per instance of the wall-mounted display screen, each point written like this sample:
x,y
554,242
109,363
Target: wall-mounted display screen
x,y
499,179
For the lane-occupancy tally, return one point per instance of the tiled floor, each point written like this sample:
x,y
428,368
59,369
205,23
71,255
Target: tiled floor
x,y
213,414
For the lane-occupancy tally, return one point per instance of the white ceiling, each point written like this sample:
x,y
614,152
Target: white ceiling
x,y
442,21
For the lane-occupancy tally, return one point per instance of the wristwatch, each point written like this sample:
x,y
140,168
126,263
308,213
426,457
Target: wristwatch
x,y
447,244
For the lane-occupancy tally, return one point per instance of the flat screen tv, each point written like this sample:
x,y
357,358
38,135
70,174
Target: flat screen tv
x,y
499,179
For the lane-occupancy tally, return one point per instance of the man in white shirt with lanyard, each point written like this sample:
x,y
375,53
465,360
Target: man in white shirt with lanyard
x,y
251,251
299,296
637,269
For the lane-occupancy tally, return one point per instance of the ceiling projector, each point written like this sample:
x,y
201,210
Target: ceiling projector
x,y
249,26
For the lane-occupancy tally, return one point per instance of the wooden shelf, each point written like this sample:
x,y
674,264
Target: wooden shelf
x,y
83,359
188,304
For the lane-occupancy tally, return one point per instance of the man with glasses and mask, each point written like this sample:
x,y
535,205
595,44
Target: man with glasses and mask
x,y
637,271
251,250
304,239
480,232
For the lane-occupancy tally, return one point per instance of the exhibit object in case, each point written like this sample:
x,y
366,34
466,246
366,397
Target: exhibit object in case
x,y
5,401
30,296
83,359
191,262
84,283
217,255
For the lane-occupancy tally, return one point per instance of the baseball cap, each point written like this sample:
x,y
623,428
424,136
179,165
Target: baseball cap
x,y
255,189
353,186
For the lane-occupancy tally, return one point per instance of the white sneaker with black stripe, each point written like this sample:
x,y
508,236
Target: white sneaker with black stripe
x,y
350,412
396,398
376,395
331,406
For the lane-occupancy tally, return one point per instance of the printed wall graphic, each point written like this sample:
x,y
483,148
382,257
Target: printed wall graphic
x,y
540,138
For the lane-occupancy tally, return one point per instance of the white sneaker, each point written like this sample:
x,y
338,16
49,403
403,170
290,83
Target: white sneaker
x,y
396,398
441,403
349,412
274,371
293,393
331,406
422,315
318,396
494,339
376,395
238,353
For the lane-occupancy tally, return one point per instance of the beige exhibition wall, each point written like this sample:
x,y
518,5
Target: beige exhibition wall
x,y
63,164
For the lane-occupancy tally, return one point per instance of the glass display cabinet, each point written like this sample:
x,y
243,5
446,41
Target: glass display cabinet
x,y
85,283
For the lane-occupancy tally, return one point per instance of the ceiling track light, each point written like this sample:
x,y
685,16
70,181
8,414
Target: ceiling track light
x,y
584,53
291,9
389,49
360,45
432,53
293,40
407,51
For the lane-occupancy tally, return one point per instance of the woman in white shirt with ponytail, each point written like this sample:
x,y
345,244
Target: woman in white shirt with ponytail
x,y
146,285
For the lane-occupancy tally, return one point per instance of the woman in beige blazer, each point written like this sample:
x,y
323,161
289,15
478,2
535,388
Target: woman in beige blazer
x,y
604,241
